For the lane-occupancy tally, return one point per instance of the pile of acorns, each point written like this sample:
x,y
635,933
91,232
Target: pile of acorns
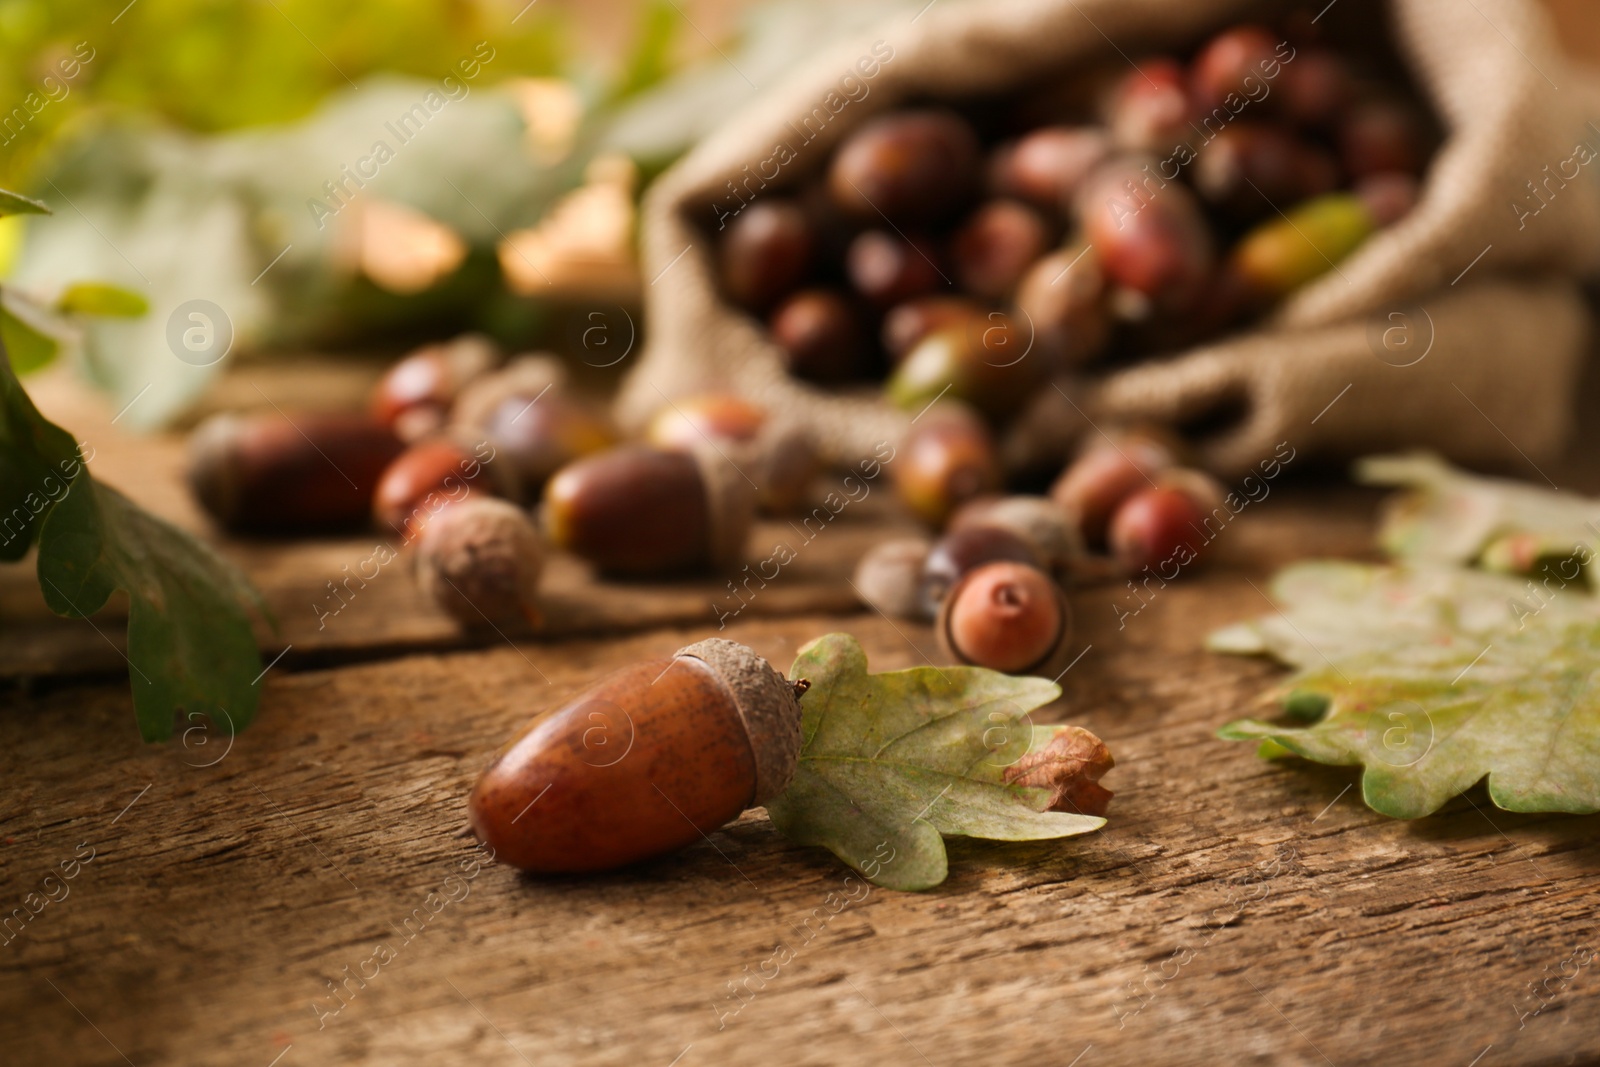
x,y
456,455
979,256
1072,242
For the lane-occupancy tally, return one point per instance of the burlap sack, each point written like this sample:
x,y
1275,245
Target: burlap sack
x,y
1482,290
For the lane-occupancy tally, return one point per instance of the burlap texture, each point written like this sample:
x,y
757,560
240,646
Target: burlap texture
x,y
1492,297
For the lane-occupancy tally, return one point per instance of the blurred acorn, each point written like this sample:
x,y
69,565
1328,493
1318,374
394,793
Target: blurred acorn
x,y
889,577
480,560
1063,298
280,475
821,336
912,167
1150,110
1045,167
987,363
766,252
995,246
635,510
946,458
1149,233
908,323
782,460
414,396
887,268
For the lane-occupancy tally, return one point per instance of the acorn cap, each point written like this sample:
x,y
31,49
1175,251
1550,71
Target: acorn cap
x,y
1050,665
730,504
767,703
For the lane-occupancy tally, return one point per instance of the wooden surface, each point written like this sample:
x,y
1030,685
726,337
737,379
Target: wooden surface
x,y
1233,911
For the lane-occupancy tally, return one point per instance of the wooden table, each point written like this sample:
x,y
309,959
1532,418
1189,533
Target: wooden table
x,y
1232,911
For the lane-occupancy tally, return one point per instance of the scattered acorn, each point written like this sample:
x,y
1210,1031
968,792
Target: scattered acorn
x,y
1164,523
480,560
636,510
780,458
946,459
1037,520
889,577
414,397
961,550
645,762
1006,616
277,474
1109,471
426,477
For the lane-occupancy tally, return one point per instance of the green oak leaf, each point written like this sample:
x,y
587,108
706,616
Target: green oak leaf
x,y
891,762
1431,677
33,335
38,459
190,646
101,298
1453,516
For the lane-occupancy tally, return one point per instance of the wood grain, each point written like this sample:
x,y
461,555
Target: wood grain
x,y
1233,911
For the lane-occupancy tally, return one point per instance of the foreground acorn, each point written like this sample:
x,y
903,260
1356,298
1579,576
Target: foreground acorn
x,y
647,761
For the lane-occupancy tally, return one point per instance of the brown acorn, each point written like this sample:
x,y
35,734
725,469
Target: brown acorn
x,y
644,511
1009,617
281,474
480,560
429,475
647,761
889,577
414,397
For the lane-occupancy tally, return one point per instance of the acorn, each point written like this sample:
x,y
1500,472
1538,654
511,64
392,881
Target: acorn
x,y
636,510
781,458
889,577
1037,520
277,474
1107,472
480,560
1165,523
534,424
965,549
645,762
525,378
429,475
413,398
946,459
1009,617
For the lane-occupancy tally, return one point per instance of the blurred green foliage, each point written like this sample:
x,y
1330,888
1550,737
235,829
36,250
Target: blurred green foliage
x,y
212,65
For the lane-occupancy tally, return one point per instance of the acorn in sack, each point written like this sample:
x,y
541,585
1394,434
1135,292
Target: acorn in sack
x,y
1260,233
